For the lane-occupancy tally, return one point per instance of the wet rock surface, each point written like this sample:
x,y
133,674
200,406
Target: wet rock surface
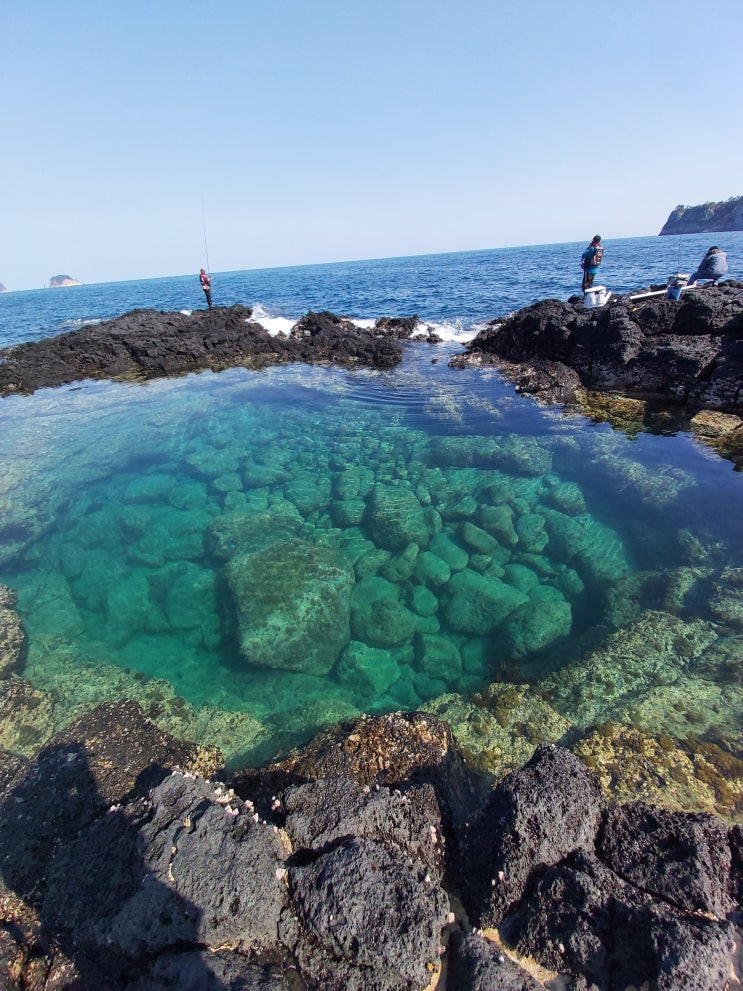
x,y
686,353
336,868
151,343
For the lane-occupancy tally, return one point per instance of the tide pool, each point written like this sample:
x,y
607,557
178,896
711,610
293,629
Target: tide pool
x,y
257,555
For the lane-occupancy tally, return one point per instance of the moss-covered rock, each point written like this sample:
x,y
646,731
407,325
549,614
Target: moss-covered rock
x,y
438,657
293,605
367,670
378,617
536,624
478,604
395,518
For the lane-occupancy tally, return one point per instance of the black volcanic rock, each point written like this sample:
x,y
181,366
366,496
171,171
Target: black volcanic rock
x,y
723,216
150,343
120,871
686,353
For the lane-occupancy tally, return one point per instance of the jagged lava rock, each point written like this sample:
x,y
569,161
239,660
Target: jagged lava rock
x,y
688,352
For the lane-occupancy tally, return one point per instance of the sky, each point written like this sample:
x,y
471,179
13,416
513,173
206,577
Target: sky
x,y
148,139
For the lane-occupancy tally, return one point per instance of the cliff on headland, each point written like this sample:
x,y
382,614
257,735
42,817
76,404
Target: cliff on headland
x,y
2,288
63,280
725,216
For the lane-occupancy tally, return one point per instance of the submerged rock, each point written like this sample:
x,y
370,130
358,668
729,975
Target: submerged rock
x,y
292,601
12,633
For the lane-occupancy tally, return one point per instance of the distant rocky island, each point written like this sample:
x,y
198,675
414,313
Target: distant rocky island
x,y
63,280
724,216
2,288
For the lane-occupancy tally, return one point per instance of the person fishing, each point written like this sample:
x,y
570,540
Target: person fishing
x,y
206,285
713,266
590,261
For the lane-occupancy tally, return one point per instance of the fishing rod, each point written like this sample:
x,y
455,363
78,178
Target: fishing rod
x,y
206,246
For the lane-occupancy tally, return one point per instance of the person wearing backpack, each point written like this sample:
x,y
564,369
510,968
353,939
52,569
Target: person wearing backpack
x,y
590,261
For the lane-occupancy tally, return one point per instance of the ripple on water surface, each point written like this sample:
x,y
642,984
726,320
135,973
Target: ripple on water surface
x,y
257,555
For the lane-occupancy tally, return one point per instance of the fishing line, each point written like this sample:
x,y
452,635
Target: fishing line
x,y
206,247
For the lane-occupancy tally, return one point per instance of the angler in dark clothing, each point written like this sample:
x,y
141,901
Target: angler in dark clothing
x,y
590,261
713,266
206,285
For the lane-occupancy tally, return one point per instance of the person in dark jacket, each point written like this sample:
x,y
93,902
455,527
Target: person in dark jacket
x,y
206,285
590,261
713,266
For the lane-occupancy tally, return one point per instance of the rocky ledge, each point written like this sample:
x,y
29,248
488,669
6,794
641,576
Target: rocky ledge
x,y
150,343
680,365
371,860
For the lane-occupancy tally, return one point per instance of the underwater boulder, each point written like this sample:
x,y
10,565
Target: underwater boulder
x,y
292,601
448,550
431,570
498,521
378,617
368,670
536,624
593,549
531,533
395,518
12,634
726,598
438,657
478,604
236,533
400,566
127,607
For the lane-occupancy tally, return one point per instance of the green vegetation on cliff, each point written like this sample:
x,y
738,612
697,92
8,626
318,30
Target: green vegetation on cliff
x,y
723,216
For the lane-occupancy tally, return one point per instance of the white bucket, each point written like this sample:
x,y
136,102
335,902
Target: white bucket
x,y
596,296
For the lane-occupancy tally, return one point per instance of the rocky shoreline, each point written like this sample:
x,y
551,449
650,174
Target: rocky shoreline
x,y
371,860
149,344
381,855
640,361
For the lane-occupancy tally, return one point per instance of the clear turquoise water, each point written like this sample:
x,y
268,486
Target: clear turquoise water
x,y
138,522
254,555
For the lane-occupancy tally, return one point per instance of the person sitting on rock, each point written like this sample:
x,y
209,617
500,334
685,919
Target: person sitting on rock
x,y
713,266
590,261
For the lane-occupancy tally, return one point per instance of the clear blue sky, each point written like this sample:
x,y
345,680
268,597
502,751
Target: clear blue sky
x,y
330,130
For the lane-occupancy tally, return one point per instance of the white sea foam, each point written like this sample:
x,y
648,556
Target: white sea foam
x,y
81,322
272,325
454,331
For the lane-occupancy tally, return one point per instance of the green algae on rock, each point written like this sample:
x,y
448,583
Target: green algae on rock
x,y
292,600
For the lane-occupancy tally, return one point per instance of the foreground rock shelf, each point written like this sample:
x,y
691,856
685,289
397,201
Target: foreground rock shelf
x,y
372,859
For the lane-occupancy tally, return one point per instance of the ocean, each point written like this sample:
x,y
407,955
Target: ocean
x,y
255,555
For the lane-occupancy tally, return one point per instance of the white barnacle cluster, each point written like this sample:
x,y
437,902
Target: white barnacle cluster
x,y
226,797
433,834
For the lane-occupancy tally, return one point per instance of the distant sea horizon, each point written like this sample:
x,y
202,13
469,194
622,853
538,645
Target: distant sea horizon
x,y
454,292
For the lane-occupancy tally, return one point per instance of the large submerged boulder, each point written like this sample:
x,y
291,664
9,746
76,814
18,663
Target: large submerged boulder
x,y
293,605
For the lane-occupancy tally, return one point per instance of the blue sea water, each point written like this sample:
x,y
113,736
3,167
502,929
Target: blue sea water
x,y
255,555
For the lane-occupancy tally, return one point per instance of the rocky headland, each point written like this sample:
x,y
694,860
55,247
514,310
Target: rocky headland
x,y
640,359
150,343
63,280
723,216
371,860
